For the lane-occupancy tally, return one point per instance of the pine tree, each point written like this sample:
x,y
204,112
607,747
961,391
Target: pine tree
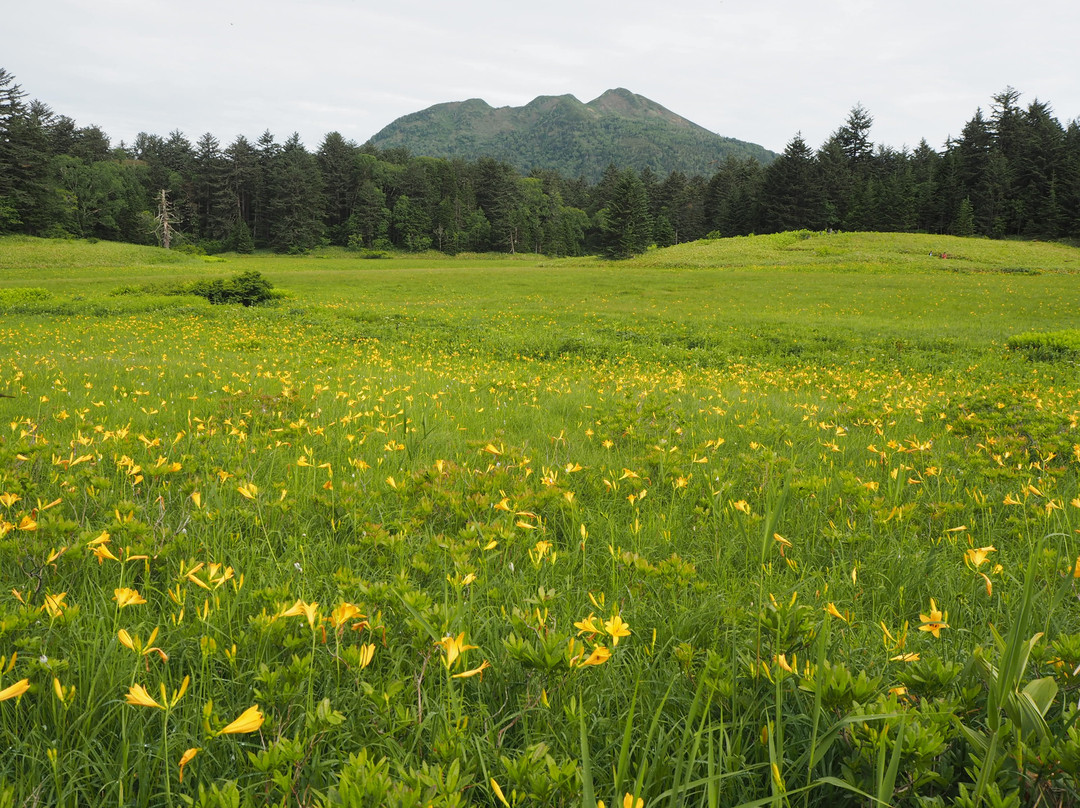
x,y
792,194
625,222
11,106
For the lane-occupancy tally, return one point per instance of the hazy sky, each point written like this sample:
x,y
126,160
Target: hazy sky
x,y
757,70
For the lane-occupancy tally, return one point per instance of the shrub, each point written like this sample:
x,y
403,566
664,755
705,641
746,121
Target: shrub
x,y
248,288
1047,345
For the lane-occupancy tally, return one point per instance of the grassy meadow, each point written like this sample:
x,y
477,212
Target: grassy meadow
x,y
777,520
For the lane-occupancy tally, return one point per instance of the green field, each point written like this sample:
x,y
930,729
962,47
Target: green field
x,y
713,526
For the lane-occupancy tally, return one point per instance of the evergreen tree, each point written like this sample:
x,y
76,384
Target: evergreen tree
x,y
212,200
369,224
732,197
294,194
341,183
973,150
837,182
964,224
854,138
624,221
410,225
925,165
11,108
242,181
793,197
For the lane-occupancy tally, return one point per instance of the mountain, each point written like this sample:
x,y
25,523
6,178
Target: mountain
x,y
559,132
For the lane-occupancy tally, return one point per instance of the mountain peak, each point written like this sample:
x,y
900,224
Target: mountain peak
x,y
559,132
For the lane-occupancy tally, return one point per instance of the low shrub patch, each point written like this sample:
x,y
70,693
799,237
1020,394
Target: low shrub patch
x,y
1047,345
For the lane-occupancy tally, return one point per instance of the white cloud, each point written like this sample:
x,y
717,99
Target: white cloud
x,y
758,71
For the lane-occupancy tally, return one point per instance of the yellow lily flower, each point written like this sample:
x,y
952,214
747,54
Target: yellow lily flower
x,y
587,626
454,647
599,656
138,696
127,597
249,721
976,556
15,690
137,645
935,621
831,609
470,673
54,604
301,607
101,552
616,628
185,759
367,652
344,612
499,793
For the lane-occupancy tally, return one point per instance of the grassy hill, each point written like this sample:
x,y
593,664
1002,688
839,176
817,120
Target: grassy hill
x,y
868,252
571,137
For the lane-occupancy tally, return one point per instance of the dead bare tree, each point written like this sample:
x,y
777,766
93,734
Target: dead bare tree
x,y
166,219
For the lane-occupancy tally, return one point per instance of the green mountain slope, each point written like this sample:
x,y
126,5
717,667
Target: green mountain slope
x,y
561,133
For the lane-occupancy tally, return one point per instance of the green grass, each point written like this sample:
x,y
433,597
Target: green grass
x,y
459,448
869,252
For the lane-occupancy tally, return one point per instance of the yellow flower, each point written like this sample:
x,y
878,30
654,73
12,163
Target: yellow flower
x,y
127,597
909,657
15,690
249,721
629,801
587,626
470,673
137,645
935,621
599,656
102,539
499,793
138,696
344,612
7,500
454,647
308,610
185,759
366,653
54,604
101,552
976,556
616,628
831,609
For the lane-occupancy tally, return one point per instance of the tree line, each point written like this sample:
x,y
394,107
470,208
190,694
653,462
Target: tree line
x,y
1014,171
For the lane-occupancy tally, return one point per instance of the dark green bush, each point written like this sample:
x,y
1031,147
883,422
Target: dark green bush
x,y
1047,345
248,288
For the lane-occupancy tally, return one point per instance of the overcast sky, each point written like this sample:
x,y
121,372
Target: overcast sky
x,y
756,70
